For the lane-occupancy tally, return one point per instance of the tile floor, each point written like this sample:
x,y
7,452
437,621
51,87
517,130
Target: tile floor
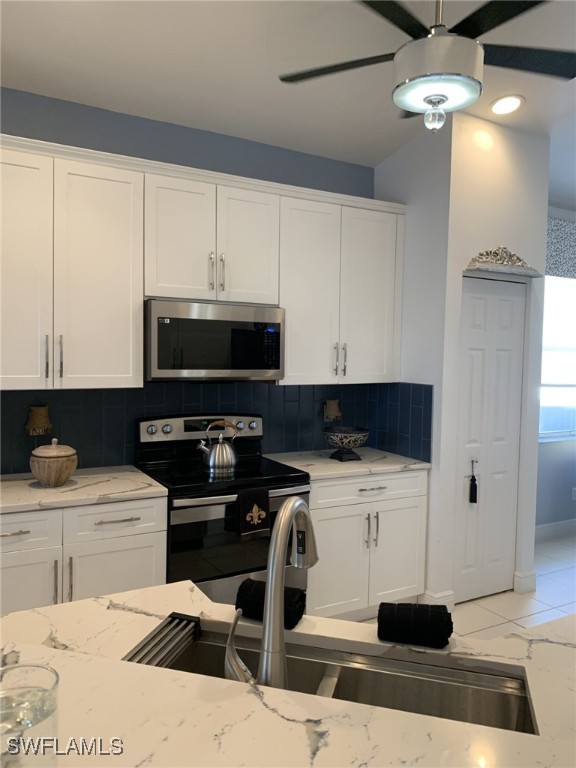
x,y
555,596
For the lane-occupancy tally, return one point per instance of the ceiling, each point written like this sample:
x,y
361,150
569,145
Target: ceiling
x,y
214,65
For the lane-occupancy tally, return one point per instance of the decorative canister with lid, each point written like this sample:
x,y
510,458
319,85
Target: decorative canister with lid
x,y
53,465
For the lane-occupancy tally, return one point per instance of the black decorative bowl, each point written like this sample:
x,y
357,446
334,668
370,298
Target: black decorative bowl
x,y
345,439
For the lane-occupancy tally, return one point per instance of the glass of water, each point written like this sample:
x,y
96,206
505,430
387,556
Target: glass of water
x,y
27,705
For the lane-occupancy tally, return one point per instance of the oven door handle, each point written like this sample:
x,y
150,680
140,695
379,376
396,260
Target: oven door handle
x,y
295,491
209,500
203,502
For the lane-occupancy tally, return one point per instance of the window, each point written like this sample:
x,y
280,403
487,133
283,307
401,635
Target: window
x,y
558,378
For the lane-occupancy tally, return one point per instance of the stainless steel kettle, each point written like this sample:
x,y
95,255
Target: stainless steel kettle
x,y
220,457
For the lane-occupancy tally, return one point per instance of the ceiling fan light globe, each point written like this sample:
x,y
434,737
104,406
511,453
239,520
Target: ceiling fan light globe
x,y
441,64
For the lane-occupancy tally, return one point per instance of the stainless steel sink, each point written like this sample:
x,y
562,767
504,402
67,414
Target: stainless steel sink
x,y
451,687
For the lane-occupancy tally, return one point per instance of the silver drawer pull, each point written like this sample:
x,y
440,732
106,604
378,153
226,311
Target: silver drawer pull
x,y
122,520
13,533
377,488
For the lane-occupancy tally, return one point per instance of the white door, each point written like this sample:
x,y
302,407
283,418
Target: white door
x,y
180,238
338,583
98,276
491,357
26,271
367,296
248,246
30,578
309,289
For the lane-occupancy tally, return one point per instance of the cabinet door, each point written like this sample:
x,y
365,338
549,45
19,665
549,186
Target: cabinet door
x,y
338,583
180,238
248,246
103,567
309,289
98,276
397,549
30,579
367,296
26,271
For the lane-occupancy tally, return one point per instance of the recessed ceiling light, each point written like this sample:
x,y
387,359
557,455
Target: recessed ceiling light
x,y
507,104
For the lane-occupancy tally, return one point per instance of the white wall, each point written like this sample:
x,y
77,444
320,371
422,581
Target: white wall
x,y
489,190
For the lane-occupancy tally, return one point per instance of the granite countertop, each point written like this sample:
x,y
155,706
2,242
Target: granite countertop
x,y
320,466
168,718
23,493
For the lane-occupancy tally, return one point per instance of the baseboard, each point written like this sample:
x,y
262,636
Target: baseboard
x,y
524,582
439,598
555,531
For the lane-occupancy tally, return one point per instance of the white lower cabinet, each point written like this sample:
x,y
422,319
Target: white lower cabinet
x,y
58,555
369,551
30,578
103,567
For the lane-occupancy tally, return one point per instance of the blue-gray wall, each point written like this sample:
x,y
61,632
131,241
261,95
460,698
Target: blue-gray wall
x,y
77,125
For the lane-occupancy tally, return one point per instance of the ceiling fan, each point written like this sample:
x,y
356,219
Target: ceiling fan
x,y
440,70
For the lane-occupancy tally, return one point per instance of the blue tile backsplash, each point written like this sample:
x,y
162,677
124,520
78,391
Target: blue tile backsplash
x,y
100,423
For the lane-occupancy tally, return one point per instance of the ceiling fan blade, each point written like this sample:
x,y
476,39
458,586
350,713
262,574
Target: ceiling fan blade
x,y
399,16
543,61
309,74
404,114
492,15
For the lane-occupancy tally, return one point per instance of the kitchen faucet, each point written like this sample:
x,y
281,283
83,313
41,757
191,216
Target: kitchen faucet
x,y
293,514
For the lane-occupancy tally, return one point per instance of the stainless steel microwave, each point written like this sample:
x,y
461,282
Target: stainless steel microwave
x,y
210,341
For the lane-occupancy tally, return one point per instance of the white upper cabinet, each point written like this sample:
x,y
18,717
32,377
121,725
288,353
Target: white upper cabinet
x,y
98,282
26,271
72,284
309,289
180,238
369,343
340,286
210,242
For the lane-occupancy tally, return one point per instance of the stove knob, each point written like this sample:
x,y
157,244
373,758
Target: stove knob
x,y
152,429
240,425
253,425
167,428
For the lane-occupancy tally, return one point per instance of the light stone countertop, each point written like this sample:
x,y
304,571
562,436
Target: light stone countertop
x,y
167,718
23,493
320,466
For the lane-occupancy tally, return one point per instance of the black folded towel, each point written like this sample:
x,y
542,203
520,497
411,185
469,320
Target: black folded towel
x,y
428,625
250,598
249,514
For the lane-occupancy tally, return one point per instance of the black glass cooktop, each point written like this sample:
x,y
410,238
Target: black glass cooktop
x,y
184,479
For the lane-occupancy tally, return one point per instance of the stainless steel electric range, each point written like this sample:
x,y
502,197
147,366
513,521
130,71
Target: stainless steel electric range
x,y
209,540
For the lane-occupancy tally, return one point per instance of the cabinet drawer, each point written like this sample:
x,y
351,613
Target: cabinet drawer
x,y
30,530
104,521
394,485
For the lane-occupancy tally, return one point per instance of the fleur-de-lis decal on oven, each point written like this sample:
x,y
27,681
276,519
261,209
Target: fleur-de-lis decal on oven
x,y
256,515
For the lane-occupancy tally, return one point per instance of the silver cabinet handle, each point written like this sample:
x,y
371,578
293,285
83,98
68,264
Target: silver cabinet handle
x,y
345,363
377,518
337,349
222,272
47,358
71,575
61,356
212,261
55,582
376,488
120,520
13,533
367,541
